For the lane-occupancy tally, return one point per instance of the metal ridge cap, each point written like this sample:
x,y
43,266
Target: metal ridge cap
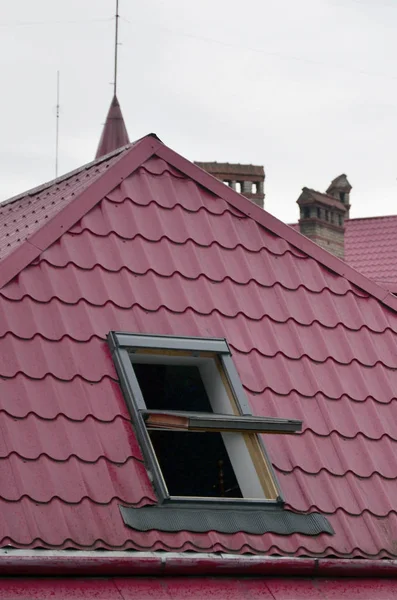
x,y
50,563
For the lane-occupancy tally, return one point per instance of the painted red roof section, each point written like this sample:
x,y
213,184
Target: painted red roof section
x,y
197,588
21,216
114,133
371,247
158,246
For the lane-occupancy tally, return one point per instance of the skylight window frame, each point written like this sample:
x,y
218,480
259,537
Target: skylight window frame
x,y
124,345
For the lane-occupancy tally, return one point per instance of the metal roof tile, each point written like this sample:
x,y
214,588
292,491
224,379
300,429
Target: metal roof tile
x,y
61,438
323,415
326,494
43,479
64,359
160,254
22,216
22,396
334,453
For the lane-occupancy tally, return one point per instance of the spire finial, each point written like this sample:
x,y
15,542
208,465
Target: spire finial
x,y
116,45
57,129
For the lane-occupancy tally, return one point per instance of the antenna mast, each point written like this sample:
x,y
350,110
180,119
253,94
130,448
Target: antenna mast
x,y
116,44
57,129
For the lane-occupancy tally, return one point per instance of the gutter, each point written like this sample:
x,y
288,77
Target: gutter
x,y
43,563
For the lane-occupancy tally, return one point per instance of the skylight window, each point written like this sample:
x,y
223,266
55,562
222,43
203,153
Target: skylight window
x,y
193,421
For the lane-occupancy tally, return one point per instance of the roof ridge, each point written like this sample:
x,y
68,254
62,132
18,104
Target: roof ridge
x,y
372,218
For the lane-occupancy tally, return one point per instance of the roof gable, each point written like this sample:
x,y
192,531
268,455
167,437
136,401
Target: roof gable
x,y
130,158
160,251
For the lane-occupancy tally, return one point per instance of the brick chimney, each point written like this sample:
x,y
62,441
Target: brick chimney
x,y
322,216
340,189
248,180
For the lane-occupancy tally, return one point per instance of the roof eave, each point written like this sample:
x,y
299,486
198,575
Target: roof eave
x,y
41,563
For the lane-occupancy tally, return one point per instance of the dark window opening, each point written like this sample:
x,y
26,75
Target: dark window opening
x,y
193,464
318,212
172,387
306,212
326,215
340,220
342,196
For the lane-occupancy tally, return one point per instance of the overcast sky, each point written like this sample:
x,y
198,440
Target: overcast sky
x,y
308,89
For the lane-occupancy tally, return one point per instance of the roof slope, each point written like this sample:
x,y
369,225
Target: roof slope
x,y
161,247
371,247
23,215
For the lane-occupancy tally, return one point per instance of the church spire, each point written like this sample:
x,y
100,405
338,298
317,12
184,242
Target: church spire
x,y
114,134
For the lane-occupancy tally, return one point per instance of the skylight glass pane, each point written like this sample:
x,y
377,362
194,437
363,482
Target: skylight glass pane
x,y
195,464
172,387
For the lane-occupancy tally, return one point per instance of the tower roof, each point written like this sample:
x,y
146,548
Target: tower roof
x,y
114,134
339,183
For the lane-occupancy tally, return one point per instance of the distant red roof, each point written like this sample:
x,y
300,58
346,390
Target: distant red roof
x,y
114,134
371,247
156,245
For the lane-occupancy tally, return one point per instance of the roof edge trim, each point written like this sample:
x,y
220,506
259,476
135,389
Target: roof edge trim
x,y
41,563
39,241
276,226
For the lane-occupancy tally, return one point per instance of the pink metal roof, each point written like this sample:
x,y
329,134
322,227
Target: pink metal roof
x,y
114,133
371,247
21,216
156,245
